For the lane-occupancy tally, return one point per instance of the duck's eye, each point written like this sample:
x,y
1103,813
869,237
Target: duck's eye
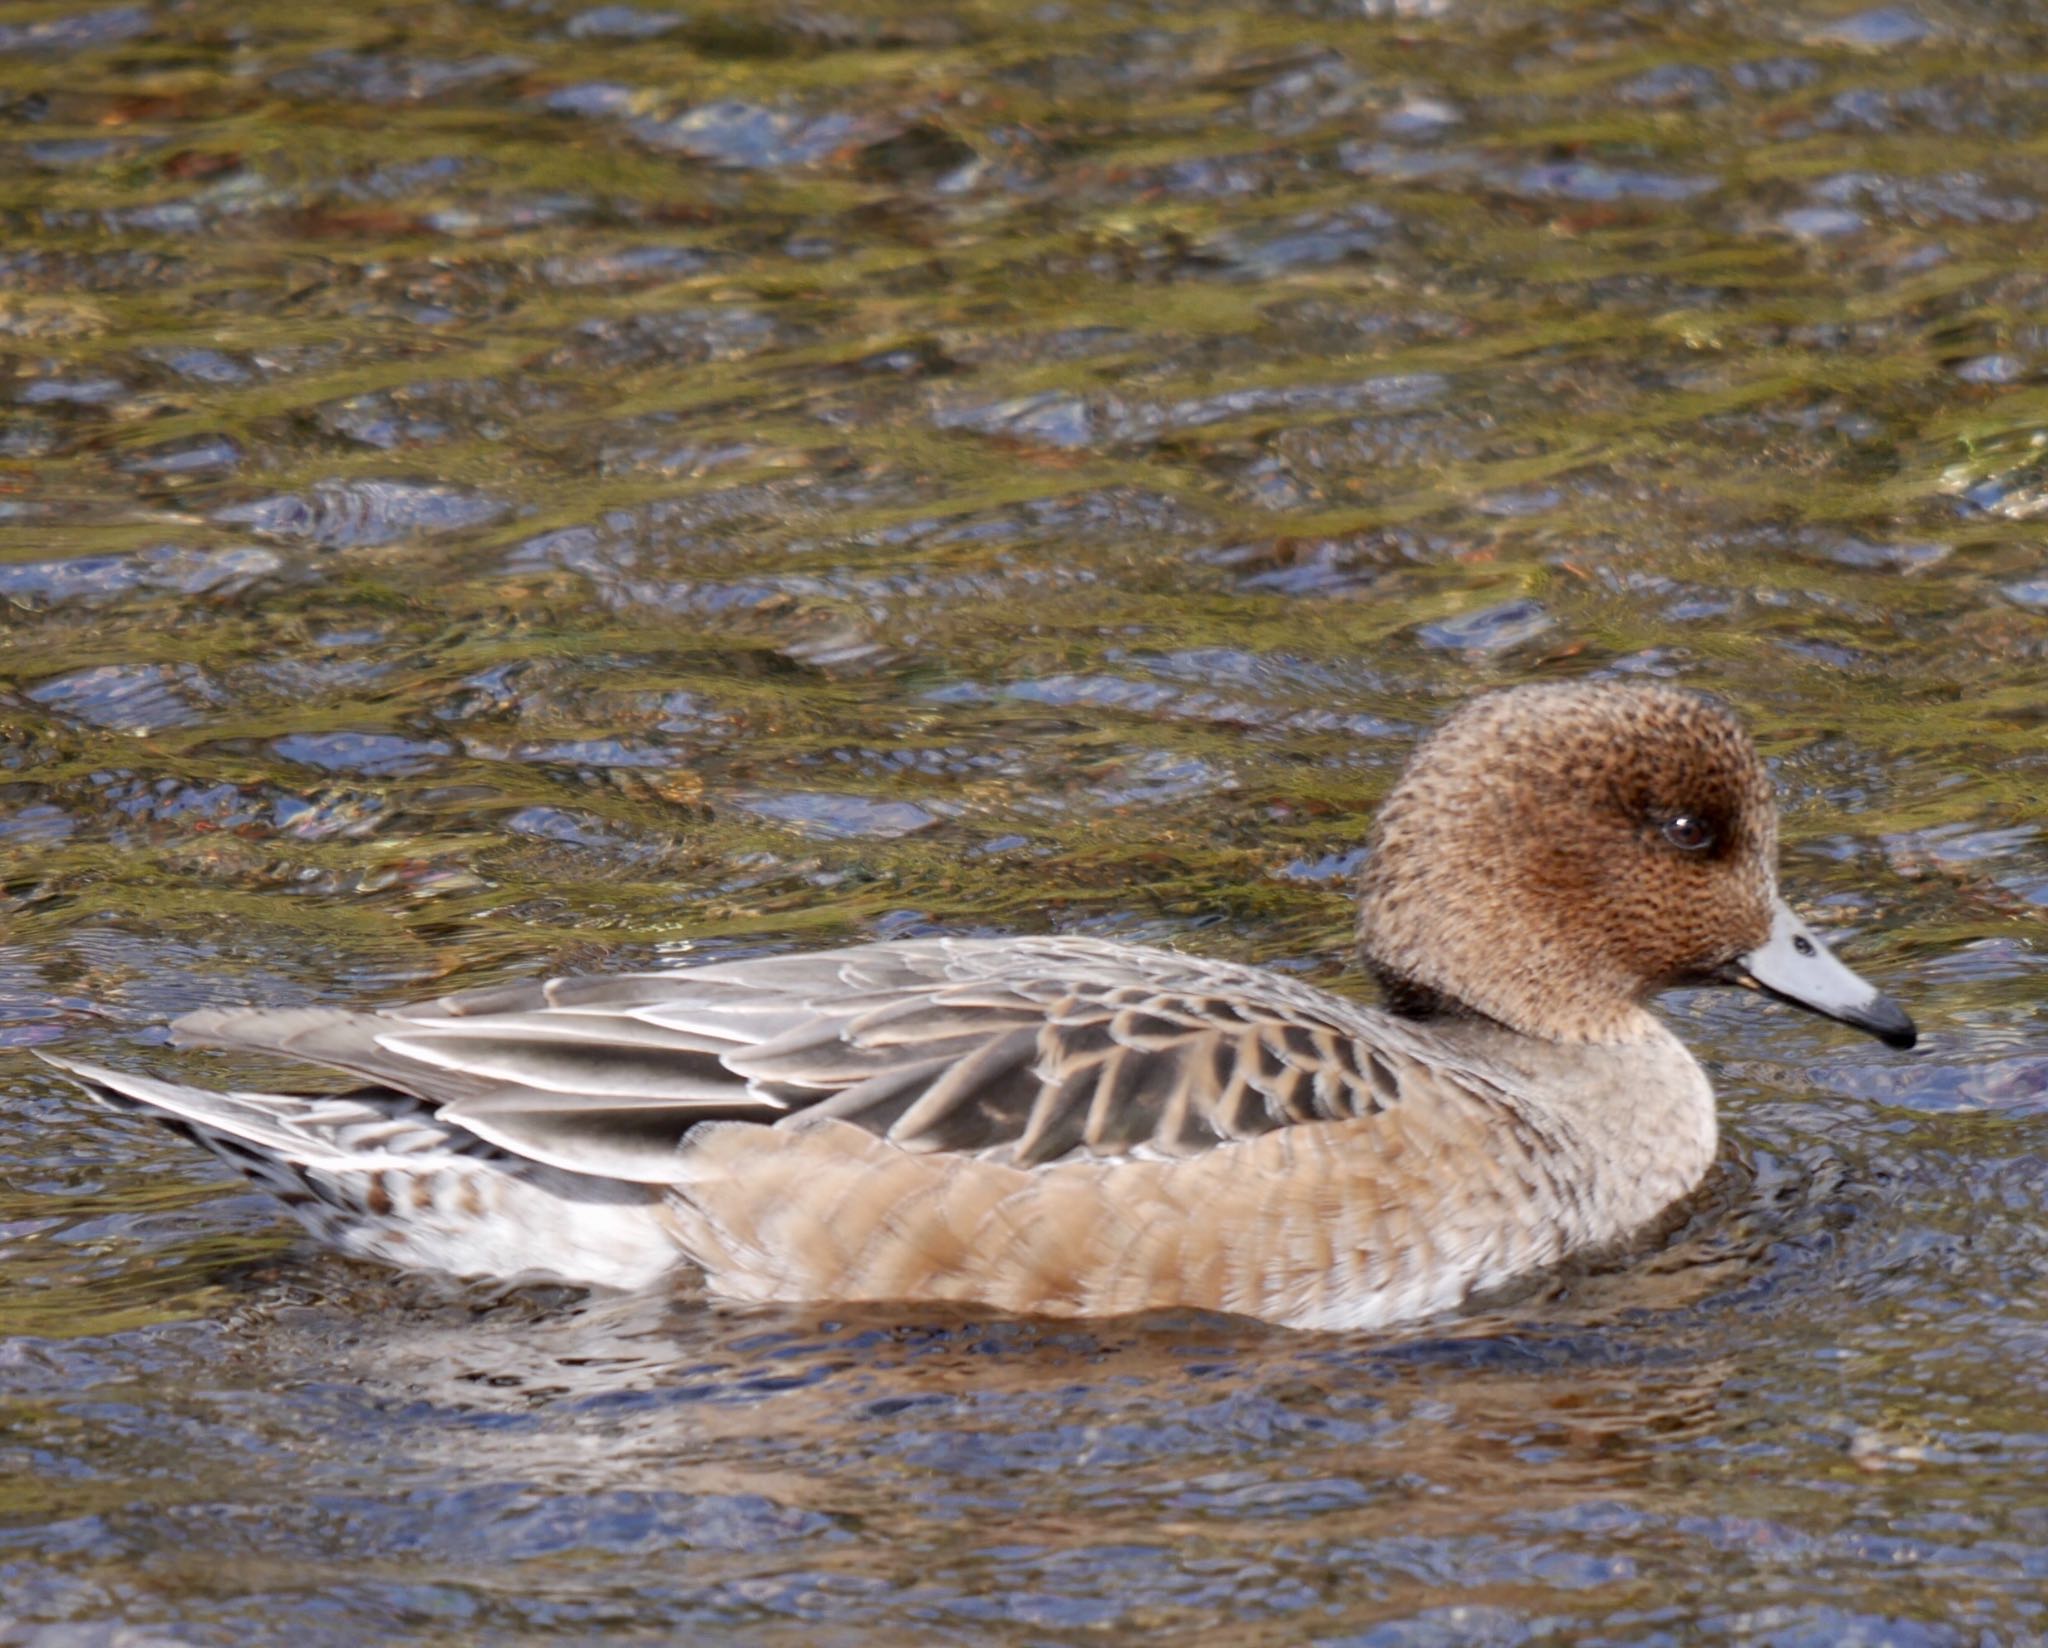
x,y
1688,832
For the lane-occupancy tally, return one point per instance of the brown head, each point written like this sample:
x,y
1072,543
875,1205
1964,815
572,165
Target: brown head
x,y
1555,854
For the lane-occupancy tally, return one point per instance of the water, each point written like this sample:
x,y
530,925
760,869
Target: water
x,y
489,490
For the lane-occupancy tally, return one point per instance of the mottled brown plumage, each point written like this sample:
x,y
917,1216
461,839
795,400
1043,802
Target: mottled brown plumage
x,y
1073,1127
1517,868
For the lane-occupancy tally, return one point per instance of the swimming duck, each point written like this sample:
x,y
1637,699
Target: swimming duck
x,y
1073,1127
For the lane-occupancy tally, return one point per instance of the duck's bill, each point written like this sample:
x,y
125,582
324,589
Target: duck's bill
x,y
1795,966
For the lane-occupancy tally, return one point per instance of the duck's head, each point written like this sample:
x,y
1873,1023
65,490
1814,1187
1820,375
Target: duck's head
x,y
1555,854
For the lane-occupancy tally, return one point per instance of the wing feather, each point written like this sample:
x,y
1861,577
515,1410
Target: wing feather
x,y
1027,1051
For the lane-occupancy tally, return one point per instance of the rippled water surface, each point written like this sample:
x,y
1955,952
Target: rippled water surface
x,y
497,489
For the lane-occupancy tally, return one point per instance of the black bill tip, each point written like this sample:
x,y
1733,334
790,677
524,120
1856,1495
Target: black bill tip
x,y
1886,1020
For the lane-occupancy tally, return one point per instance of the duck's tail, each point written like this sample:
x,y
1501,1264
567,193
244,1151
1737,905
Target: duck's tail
x,y
379,1175
247,1124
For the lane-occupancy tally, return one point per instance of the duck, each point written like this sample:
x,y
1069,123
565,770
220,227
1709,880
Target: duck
x,y
1068,1126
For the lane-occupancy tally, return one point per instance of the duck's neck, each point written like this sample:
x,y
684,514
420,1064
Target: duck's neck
x,y
1621,1023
